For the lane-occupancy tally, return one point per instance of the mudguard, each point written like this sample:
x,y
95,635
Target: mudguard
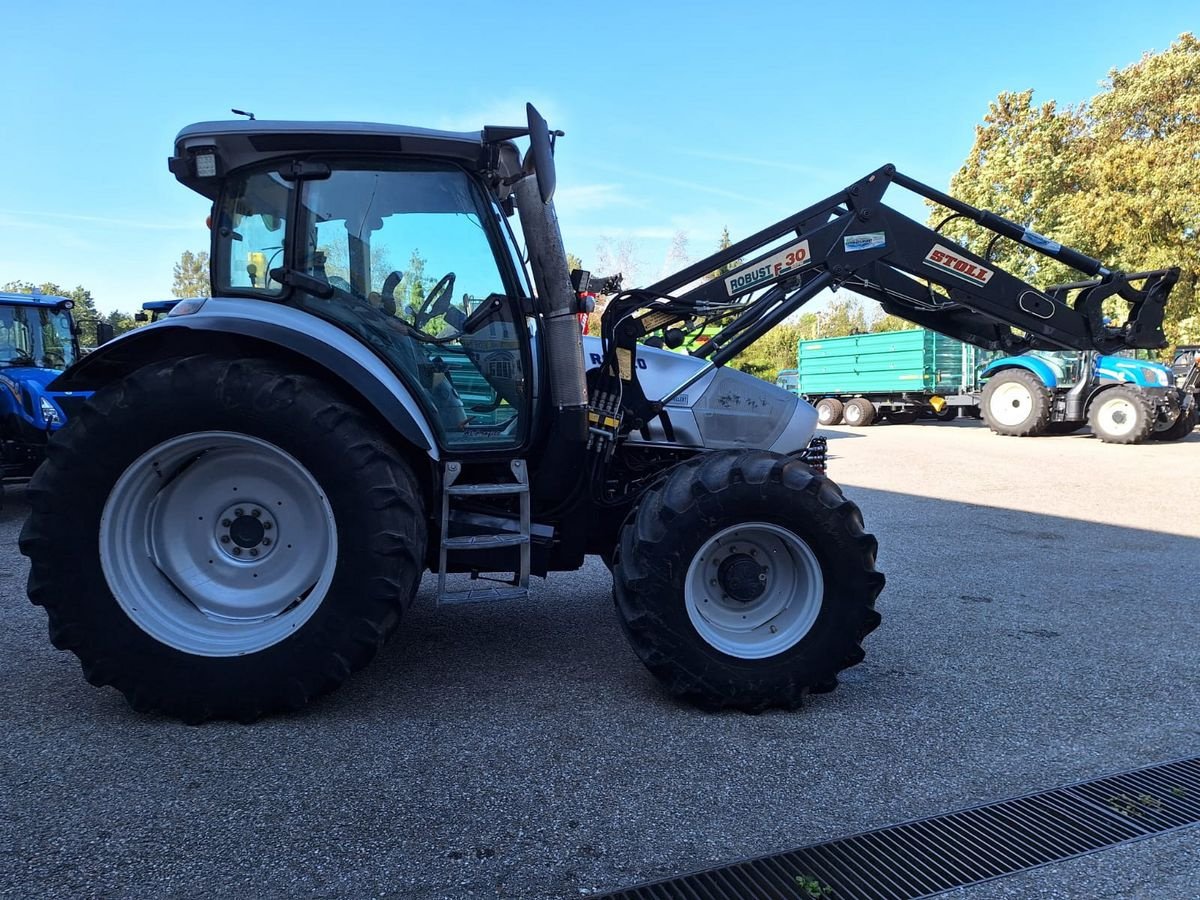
x,y
1039,367
273,326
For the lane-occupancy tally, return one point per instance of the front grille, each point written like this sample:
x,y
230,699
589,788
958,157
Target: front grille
x,y
927,856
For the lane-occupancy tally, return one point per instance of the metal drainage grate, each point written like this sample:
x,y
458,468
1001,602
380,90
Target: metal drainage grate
x,y
928,856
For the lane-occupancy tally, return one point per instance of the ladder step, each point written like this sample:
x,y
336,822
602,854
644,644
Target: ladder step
x,y
484,541
483,595
480,490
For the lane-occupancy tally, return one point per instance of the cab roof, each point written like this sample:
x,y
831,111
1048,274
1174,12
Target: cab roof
x,y
241,142
40,300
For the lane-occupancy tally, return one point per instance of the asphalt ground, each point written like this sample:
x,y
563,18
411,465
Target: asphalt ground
x,y
1039,628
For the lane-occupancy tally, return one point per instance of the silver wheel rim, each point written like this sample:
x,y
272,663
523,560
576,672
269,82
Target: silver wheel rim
x,y
1011,403
852,414
218,544
824,413
1117,416
739,619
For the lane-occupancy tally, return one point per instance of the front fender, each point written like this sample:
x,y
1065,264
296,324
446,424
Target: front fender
x,y
1037,366
256,327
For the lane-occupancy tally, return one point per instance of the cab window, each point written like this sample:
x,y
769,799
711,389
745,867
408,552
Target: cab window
x,y
409,265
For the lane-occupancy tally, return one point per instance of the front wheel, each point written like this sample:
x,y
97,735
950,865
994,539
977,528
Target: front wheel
x,y
746,580
1121,415
242,539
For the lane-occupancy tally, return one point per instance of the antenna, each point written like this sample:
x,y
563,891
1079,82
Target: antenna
x,y
241,112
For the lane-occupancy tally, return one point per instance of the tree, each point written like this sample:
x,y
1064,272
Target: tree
x,y
1114,177
724,244
121,322
191,275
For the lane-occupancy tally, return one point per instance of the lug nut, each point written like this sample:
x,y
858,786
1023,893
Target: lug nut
x,y
256,513
224,539
239,512
266,542
225,523
266,526
237,551
254,551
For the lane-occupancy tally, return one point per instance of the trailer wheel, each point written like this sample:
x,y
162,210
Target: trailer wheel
x,y
1016,403
1184,424
829,411
1121,415
902,417
242,539
745,580
859,412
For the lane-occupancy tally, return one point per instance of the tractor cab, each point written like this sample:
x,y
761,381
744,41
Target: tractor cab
x,y
400,239
37,341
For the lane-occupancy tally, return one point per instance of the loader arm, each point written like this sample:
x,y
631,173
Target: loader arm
x,y
852,239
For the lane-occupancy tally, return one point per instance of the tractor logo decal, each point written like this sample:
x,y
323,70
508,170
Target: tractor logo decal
x,y
949,261
796,256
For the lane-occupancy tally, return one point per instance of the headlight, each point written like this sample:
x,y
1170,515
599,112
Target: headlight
x,y
49,413
1155,376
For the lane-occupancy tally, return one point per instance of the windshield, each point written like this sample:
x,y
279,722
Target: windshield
x,y
30,336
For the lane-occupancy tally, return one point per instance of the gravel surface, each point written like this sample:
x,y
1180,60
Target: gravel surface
x,y
1039,628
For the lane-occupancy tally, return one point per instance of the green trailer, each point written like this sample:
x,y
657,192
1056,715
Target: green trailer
x,y
893,375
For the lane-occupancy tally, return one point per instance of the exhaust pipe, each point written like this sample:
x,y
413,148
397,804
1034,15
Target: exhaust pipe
x,y
555,300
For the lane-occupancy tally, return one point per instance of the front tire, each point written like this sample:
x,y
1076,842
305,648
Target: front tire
x,y
745,580
242,538
1016,403
1121,415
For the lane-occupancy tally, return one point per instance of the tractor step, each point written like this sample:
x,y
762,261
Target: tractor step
x,y
482,595
484,541
488,540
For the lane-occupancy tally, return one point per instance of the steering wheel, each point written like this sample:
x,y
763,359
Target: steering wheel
x,y
436,302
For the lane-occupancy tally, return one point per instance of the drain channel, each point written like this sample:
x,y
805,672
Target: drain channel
x,y
927,856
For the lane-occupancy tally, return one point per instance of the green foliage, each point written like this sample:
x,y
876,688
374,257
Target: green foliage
x,y
1114,177
191,275
724,244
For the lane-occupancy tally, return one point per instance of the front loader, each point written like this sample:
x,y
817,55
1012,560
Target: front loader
x,y
387,381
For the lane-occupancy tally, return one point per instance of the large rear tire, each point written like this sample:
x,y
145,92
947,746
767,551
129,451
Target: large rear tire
x,y
1016,403
746,580
241,538
1121,415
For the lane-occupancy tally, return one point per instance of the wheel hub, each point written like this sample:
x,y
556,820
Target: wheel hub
x,y
246,531
741,577
753,590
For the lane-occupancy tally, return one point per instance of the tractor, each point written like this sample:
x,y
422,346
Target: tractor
x,y
38,340
389,379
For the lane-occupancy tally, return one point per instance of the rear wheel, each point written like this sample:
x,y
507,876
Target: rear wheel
x,y
1016,403
859,412
1184,424
746,580
243,538
829,411
1121,415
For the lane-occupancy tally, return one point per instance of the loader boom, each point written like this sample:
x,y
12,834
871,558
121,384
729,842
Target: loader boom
x,y
853,240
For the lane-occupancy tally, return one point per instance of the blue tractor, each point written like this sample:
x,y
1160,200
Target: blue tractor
x,y
1125,400
38,339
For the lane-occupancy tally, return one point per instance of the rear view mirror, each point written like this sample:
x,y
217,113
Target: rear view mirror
x,y
541,153
104,333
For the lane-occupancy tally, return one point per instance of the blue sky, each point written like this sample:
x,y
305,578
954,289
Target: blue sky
x,y
678,117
